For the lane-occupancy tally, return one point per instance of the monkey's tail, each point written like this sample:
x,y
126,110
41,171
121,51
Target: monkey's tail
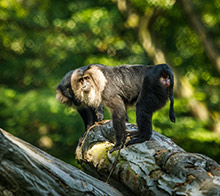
x,y
168,71
172,114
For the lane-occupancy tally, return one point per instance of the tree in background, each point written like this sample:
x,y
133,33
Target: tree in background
x,y
42,40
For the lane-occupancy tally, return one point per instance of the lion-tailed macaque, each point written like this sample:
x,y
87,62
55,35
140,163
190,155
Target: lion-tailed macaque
x,y
149,87
66,95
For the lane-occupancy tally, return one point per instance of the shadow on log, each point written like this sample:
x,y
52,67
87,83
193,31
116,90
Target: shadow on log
x,y
26,170
155,167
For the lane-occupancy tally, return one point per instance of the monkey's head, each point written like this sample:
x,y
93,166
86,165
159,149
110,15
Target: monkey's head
x,y
64,92
88,85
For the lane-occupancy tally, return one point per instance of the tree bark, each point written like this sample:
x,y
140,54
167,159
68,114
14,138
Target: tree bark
x,y
26,170
154,167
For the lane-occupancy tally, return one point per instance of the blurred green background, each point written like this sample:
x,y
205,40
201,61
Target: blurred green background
x,y
40,41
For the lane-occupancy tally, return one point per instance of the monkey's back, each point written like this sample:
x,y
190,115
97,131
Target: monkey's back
x,y
124,81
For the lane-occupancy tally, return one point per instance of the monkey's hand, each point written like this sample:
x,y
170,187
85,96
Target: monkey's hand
x,y
100,112
100,116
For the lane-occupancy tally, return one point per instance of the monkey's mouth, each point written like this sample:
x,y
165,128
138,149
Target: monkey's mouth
x,y
86,90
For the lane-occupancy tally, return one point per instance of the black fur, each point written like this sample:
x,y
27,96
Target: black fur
x,y
89,115
153,96
127,84
120,86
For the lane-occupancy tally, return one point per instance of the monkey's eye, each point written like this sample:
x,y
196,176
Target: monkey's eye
x,y
86,78
80,80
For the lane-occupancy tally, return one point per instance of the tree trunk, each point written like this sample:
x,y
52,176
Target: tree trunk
x,y
26,170
154,167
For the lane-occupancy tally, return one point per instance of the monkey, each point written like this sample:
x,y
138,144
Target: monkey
x,y
66,95
149,87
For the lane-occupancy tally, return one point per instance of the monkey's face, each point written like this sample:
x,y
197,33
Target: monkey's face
x,y
85,89
81,84
85,84
88,85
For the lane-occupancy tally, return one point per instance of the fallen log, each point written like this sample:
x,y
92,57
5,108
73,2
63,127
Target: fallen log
x,y
155,167
26,170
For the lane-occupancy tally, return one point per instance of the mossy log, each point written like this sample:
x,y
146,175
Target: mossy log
x,y
155,167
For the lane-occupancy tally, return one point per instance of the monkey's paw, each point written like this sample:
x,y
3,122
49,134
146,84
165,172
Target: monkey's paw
x,y
100,116
131,133
137,140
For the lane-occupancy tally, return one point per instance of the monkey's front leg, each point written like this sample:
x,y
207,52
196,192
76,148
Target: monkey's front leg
x,y
118,118
100,112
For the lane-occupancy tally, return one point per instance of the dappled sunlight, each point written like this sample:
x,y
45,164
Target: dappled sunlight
x,y
53,105
45,142
42,40
203,135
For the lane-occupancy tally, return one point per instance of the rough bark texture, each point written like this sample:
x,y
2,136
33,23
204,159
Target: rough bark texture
x,y
26,170
155,167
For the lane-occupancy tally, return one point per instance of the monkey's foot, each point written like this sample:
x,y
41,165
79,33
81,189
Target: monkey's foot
x,y
137,140
131,133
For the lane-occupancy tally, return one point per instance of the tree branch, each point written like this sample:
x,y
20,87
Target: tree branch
x,y
154,167
26,170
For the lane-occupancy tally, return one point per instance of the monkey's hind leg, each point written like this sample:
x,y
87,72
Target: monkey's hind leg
x,y
144,122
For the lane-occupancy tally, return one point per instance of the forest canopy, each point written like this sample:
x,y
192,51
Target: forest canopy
x,y
41,41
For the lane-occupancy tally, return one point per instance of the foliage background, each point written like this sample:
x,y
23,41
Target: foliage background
x,y
40,41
